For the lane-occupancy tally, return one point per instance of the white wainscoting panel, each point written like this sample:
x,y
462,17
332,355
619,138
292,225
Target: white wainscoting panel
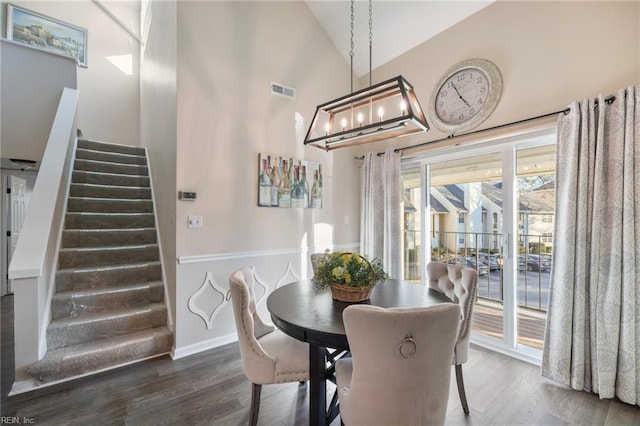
x,y
204,315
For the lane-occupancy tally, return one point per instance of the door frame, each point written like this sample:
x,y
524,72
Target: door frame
x,y
30,177
507,147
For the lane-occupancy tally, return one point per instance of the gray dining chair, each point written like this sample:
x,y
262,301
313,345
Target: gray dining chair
x,y
459,284
315,258
268,355
399,372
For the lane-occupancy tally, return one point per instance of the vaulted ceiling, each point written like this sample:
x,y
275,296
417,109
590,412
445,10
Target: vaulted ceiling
x,y
398,26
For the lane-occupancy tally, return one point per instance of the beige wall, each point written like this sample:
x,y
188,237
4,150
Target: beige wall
x,y
109,106
228,53
32,83
549,53
158,126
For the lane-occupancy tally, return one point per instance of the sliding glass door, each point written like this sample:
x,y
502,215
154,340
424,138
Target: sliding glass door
x,y
490,209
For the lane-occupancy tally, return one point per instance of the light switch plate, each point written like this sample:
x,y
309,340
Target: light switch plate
x,y
195,221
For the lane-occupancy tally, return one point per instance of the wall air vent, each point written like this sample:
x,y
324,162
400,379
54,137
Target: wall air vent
x,y
282,90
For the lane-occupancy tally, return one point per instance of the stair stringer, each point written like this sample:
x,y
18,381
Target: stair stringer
x,y
169,301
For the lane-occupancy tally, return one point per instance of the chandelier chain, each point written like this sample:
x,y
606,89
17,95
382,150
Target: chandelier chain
x,y
370,22
370,37
352,26
351,51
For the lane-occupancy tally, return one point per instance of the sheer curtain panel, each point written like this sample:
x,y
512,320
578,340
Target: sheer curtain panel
x,y
380,203
592,339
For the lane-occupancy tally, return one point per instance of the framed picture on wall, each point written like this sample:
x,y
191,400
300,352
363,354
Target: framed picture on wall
x,y
42,32
289,183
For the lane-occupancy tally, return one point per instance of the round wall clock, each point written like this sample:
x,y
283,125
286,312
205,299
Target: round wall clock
x,y
466,96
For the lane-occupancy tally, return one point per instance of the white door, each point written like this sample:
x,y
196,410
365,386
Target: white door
x,y
17,201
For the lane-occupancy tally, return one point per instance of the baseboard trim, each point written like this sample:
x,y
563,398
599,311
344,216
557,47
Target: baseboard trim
x,y
24,385
177,353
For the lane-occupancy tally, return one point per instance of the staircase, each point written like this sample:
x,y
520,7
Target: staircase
x,y
108,309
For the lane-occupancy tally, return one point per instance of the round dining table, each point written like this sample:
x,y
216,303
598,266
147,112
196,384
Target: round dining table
x,y
303,312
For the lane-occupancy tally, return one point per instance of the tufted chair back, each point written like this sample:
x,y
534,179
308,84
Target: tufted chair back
x,y
315,258
257,364
399,373
268,355
459,284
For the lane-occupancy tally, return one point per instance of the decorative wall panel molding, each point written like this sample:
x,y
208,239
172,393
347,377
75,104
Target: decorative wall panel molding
x,y
224,293
289,276
263,284
205,292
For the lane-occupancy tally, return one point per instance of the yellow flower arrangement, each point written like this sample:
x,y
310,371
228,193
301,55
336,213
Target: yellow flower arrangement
x,y
349,269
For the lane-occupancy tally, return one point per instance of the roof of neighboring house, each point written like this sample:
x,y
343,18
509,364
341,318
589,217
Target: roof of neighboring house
x,y
436,206
408,205
493,192
536,201
453,194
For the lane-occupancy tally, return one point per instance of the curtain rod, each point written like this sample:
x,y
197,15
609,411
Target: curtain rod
x,y
608,100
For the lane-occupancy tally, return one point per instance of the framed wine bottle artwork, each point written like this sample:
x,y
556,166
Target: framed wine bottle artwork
x,y
286,182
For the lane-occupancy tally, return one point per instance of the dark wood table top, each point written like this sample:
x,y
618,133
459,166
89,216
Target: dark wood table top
x,y
305,314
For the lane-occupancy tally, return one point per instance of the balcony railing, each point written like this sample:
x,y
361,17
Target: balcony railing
x,y
482,251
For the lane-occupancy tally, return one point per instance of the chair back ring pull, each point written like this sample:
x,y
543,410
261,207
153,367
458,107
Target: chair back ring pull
x,y
408,347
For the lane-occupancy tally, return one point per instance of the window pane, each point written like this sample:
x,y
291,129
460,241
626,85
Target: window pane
x,y
466,209
411,252
536,204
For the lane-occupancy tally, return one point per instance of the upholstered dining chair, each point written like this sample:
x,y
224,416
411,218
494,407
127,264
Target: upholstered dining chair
x,y
459,284
268,355
315,258
400,368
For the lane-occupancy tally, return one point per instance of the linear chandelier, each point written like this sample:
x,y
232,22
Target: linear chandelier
x,y
382,111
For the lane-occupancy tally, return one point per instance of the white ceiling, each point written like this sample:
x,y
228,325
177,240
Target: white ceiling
x,y
398,26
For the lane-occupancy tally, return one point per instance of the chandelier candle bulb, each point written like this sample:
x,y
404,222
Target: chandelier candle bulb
x,y
385,119
327,128
410,120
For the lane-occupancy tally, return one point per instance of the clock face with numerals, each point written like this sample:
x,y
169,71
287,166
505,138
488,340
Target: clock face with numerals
x,y
466,96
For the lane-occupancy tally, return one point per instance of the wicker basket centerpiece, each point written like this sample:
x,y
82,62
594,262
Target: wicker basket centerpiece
x,y
350,276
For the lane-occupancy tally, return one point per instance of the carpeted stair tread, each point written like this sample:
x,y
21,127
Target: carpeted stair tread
x,y
107,237
102,178
114,255
100,355
109,191
110,147
109,205
92,220
95,326
108,309
111,157
108,167
107,276
95,300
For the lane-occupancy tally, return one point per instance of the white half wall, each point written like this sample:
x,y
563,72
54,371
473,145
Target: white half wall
x,y
204,304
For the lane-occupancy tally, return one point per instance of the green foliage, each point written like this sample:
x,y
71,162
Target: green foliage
x,y
348,269
537,248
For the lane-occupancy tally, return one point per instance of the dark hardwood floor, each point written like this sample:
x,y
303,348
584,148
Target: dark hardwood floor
x,y
209,388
